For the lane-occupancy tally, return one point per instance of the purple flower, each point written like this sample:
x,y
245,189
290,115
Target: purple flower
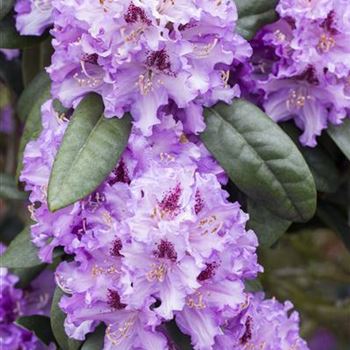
x,y
14,303
33,16
158,233
265,324
141,55
300,67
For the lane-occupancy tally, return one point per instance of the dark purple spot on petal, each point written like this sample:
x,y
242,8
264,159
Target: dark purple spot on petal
x,y
116,248
170,202
136,14
209,271
165,250
114,300
248,331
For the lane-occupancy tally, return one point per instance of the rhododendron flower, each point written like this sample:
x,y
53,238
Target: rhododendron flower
x,y
15,302
302,63
141,55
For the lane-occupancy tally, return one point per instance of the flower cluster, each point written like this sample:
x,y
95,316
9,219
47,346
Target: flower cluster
x,y
157,240
302,64
141,55
15,302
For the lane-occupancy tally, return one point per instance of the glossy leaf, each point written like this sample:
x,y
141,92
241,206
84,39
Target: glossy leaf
x,y
267,226
31,93
341,136
57,324
39,325
8,188
90,149
32,126
321,164
260,159
95,340
11,39
5,7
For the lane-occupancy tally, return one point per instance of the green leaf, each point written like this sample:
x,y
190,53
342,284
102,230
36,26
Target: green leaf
x,y
33,126
5,7
90,149
321,164
31,93
57,324
253,286
11,39
39,325
253,7
22,253
260,159
249,25
341,136
253,14
8,188
95,340
336,220
35,59
268,227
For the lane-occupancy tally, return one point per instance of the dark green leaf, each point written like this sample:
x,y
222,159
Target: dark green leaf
x,y
268,227
11,39
22,253
253,14
90,150
35,59
32,127
321,164
31,93
260,159
253,7
57,324
336,220
253,285
249,25
39,325
5,7
95,340
8,188
30,64
341,136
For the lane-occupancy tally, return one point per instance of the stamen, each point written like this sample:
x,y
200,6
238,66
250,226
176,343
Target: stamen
x,y
116,337
196,304
296,99
157,273
326,43
205,50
